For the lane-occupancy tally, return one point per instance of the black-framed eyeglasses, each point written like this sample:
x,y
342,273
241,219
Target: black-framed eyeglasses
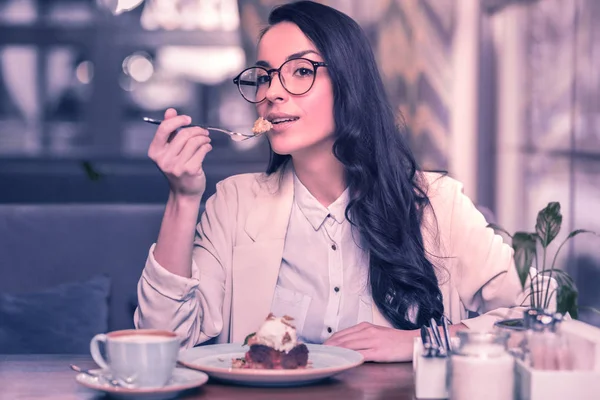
x,y
297,76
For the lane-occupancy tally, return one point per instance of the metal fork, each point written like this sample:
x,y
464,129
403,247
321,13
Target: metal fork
x,y
235,136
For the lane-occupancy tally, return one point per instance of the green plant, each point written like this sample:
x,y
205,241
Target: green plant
x,y
90,171
526,245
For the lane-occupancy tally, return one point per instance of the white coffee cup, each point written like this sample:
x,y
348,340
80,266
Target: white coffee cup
x,y
141,357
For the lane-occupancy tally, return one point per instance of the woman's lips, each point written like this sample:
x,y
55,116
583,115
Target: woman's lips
x,y
281,126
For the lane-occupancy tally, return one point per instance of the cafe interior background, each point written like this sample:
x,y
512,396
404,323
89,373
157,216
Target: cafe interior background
x,y
504,95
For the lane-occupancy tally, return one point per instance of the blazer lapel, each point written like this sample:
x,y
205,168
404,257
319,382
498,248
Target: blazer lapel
x,y
256,265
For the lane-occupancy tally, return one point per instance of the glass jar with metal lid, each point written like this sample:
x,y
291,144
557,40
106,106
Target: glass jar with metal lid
x,y
543,346
481,367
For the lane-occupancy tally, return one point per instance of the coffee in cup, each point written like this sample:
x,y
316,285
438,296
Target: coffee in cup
x,y
141,357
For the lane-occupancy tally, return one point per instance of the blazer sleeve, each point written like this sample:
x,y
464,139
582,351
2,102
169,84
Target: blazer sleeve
x,y
485,275
192,307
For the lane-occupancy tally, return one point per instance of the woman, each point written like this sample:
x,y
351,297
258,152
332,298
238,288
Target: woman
x,y
343,232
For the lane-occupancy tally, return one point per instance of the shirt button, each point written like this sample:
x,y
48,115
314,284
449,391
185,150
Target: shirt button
x,y
329,329
337,289
334,247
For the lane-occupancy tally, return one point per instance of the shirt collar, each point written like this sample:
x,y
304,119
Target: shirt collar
x,y
314,211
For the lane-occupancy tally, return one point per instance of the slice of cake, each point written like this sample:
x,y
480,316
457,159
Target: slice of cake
x,y
274,346
261,126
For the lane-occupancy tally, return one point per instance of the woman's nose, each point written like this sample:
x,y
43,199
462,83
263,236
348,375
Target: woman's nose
x,y
276,91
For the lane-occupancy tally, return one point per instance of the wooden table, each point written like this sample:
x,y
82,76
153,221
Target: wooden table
x,y
25,377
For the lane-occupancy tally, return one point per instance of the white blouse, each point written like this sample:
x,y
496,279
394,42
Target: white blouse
x,y
323,278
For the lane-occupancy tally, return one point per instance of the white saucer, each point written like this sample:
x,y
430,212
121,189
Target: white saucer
x,y
183,379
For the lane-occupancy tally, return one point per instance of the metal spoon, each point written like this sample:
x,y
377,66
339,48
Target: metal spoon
x,y
447,334
427,345
235,136
100,377
437,338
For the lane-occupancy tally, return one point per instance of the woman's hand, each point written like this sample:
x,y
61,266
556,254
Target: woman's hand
x,y
376,343
379,343
180,159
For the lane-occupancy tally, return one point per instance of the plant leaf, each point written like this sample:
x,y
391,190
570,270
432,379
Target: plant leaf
x,y
530,295
566,300
592,309
579,231
548,223
498,228
562,277
90,171
524,244
566,278
248,338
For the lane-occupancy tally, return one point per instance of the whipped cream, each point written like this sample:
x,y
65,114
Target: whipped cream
x,y
277,333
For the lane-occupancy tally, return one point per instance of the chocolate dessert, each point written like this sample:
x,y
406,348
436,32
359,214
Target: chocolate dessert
x,y
274,346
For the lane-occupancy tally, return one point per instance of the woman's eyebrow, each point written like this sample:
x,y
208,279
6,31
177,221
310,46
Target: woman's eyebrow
x,y
262,63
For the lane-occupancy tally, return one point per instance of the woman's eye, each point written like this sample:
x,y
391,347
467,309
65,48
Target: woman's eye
x,y
304,72
261,80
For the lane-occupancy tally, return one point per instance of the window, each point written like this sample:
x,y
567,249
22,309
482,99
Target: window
x,y
549,127
76,78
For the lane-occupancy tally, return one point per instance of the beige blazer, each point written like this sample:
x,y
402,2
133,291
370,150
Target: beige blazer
x,y
238,251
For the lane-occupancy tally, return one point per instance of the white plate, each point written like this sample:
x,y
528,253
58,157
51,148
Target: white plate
x,y
215,360
183,379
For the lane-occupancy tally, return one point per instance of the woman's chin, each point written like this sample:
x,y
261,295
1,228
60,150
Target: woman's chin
x,y
281,151
296,144
283,147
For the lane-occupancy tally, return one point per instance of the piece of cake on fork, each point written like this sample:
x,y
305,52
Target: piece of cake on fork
x,y
261,126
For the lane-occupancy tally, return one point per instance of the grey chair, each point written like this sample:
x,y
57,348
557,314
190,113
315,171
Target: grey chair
x,y
42,246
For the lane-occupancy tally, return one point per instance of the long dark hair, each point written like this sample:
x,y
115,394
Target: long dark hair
x,y
387,195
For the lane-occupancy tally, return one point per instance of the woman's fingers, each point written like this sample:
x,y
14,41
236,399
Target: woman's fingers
x,y
186,144
175,147
170,113
164,130
343,341
157,146
188,164
194,164
191,147
358,343
179,153
339,336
